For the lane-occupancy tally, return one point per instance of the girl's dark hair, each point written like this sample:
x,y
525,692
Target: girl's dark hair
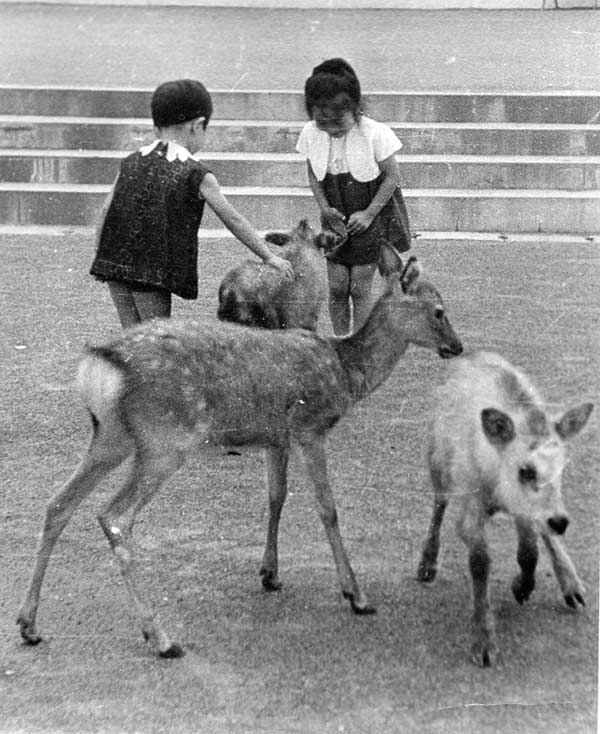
x,y
328,80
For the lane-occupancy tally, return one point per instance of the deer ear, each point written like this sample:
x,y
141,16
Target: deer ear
x,y
573,420
410,274
390,260
277,238
497,426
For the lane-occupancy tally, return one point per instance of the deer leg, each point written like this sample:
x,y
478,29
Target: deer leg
x,y
428,566
527,556
570,584
277,462
471,529
147,475
314,455
103,455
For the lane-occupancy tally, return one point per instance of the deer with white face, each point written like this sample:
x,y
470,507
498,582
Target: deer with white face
x,y
167,388
495,447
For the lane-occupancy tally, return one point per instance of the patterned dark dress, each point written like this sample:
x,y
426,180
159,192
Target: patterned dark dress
x,y
149,238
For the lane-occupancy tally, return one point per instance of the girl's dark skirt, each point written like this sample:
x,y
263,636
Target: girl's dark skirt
x,y
391,225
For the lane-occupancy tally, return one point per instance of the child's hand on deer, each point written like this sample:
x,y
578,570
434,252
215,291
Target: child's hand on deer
x,y
281,264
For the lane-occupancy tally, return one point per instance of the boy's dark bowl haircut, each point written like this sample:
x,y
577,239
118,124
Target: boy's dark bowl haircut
x,y
176,102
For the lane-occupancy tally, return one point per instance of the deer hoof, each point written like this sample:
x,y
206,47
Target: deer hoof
x,y
28,633
572,600
173,651
359,607
522,590
426,574
486,656
269,580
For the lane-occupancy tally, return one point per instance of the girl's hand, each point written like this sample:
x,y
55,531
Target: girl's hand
x,y
359,222
283,265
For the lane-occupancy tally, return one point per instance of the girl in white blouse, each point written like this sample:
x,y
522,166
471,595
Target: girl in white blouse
x,y
355,179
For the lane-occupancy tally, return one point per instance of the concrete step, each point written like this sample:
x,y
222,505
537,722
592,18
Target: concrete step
x,y
289,170
465,210
262,136
577,107
487,162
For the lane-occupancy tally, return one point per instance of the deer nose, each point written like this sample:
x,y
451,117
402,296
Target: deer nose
x,y
558,524
453,349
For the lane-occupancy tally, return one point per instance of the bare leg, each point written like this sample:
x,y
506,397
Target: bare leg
x,y
527,556
471,529
134,306
277,462
122,297
147,475
361,286
100,459
152,304
570,584
340,308
313,450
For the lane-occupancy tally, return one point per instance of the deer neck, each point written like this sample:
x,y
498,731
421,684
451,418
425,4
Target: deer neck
x,y
370,354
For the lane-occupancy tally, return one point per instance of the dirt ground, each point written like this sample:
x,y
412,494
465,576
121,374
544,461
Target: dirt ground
x,y
298,660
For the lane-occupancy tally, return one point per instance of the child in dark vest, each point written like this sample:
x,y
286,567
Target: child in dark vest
x,y
355,179
148,237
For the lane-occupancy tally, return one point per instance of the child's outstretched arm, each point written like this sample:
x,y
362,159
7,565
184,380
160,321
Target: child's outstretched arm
x,y
239,225
361,221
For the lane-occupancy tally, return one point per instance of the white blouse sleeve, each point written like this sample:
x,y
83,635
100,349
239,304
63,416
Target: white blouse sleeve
x,y
385,142
302,144
314,145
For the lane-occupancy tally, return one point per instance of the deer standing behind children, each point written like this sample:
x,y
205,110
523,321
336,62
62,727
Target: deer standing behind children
x,y
255,295
169,387
496,448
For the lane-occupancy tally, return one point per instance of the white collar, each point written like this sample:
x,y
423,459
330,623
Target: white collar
x,y
175,151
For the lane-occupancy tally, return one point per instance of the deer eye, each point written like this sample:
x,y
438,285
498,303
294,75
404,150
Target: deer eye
x,y
527,474
438,312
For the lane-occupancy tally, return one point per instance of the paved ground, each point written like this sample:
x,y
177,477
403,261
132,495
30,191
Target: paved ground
x,y
391,49
297,662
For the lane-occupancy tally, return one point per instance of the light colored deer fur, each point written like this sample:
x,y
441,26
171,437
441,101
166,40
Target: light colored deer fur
x,y
496,448
255,295
168,387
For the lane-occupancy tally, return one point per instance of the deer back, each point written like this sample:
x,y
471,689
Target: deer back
x,y
224,382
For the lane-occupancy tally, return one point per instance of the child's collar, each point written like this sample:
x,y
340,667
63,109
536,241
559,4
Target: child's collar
x,y
175,151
